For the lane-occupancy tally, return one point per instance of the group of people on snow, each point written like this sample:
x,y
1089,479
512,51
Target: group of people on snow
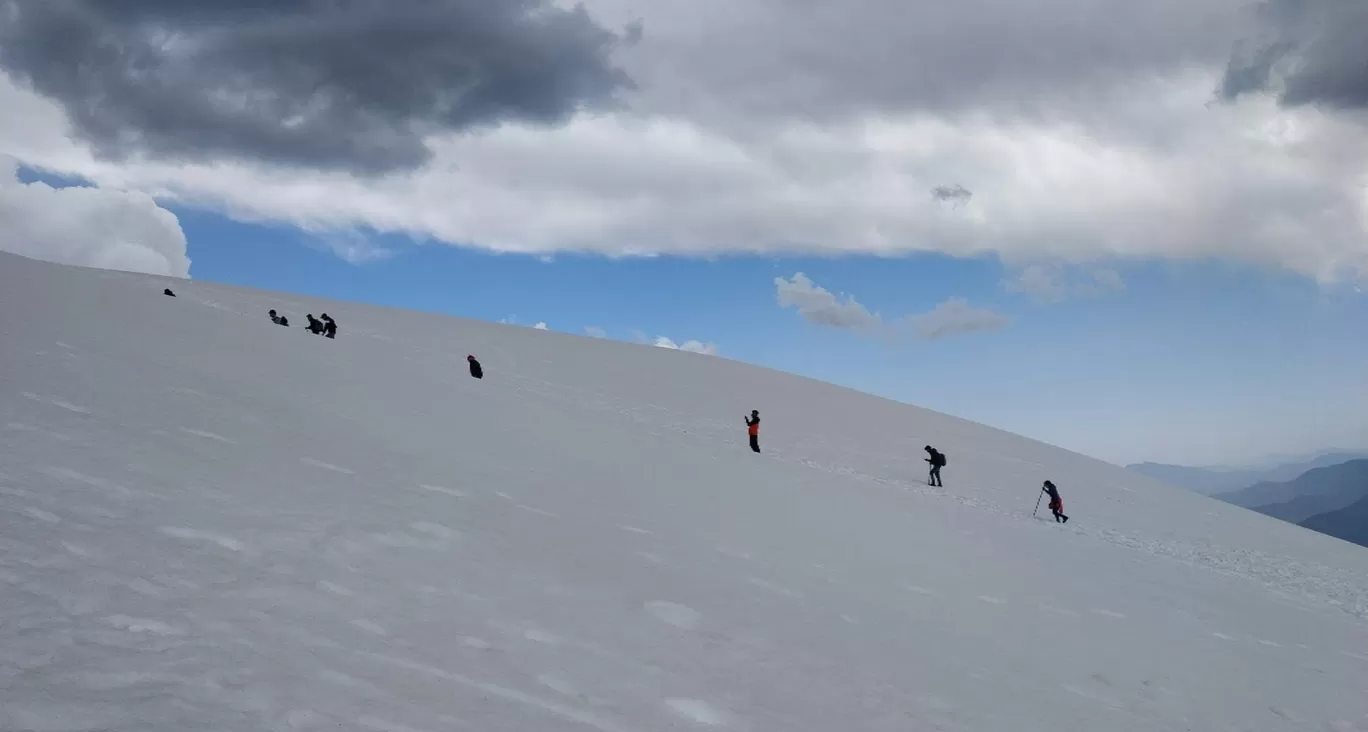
x,y
323,325
935,459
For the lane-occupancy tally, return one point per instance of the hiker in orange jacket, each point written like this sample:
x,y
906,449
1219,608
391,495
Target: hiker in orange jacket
x,y
753,426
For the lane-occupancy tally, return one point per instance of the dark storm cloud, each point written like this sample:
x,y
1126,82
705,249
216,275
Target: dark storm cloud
x,y
331,84
1315,52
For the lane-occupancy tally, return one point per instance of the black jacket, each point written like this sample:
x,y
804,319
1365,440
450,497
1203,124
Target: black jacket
x,y
475,369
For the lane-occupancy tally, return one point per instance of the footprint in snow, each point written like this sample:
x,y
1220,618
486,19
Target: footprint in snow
x,y
992,600
1109,613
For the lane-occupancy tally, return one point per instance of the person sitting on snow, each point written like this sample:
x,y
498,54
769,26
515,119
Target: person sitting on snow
x,y
476,369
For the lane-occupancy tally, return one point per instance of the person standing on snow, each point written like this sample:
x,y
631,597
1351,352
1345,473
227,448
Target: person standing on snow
x,y
753,426
476,370
1056,503
937,461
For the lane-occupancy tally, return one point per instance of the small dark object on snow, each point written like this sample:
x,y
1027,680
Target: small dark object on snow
x,y
329,326
937,461
753,427
476,369
168,292
315,325
1056,503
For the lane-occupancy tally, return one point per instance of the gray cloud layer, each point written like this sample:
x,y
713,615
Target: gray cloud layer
x,y
818,305
1310,52
325,84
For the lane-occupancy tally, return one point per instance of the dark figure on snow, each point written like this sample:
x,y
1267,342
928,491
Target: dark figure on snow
x,y
329,326
315,325
753,427
476,369
937,461
1056,503
279,319
168,292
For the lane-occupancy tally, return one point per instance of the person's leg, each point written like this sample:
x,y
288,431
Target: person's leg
x,y
755,443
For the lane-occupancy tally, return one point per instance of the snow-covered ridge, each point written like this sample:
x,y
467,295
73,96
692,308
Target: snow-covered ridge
x,y
211,522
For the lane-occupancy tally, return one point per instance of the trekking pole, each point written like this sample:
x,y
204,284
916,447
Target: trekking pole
x,y
1038,497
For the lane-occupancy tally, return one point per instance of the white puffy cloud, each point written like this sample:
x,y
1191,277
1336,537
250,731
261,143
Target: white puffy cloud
x,y
952,317
707,349
91,227
723,148
817,305
540,326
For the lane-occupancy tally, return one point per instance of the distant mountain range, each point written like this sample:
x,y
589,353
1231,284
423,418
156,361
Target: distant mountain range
x,y
1350,523
1326,493
1218,481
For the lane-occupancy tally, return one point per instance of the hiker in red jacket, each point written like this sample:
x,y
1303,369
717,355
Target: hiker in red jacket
x,y
753,426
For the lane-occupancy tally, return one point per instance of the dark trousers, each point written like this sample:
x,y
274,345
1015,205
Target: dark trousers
x,y
755,442
935,476
1059,517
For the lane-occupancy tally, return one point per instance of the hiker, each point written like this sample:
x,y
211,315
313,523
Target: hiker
x,y
279,319
1056,503
475,369
168,292
937,461
315,325
329,326
753,427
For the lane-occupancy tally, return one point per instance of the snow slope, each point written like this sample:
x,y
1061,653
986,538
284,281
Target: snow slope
x,y
208,522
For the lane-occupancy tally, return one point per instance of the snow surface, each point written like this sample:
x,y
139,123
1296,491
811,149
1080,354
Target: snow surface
x,y
209,522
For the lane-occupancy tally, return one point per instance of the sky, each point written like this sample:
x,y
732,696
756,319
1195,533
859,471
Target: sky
x,y
1136,230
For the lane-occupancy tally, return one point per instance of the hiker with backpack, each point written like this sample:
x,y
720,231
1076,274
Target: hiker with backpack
x,y
937,461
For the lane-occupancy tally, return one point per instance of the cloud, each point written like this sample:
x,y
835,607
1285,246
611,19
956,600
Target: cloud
x,y
954,316
348,86
956,195
91,227
819,306
1308,52
1083,141
540,326
1058,282
707,349
593,331
351,246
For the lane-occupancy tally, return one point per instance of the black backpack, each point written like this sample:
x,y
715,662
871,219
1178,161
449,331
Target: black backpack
x,y
940,459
